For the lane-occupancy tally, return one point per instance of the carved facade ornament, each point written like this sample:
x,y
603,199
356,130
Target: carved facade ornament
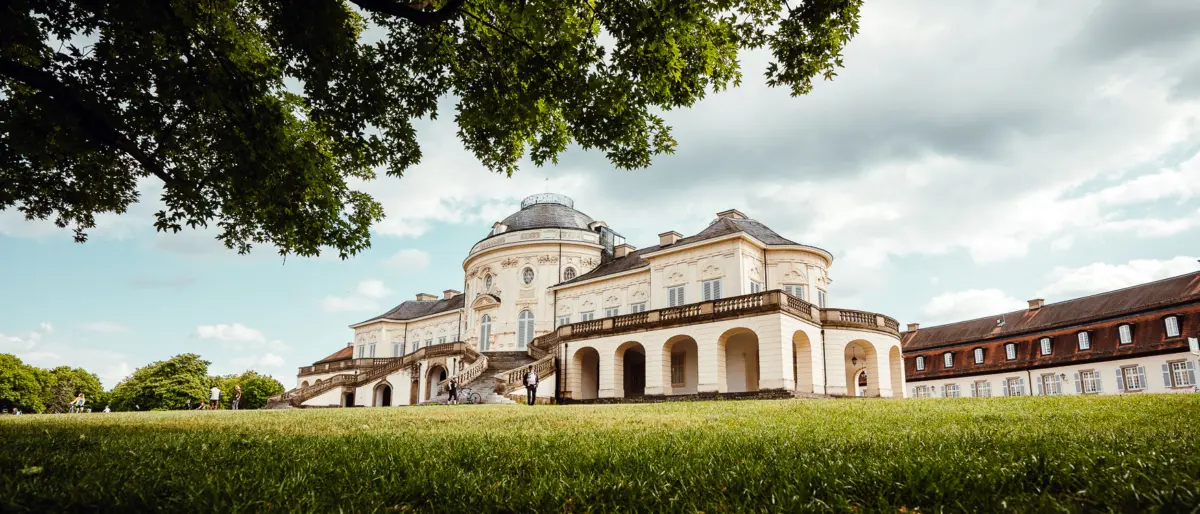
x,y
548,259
564,309
528,259
710,271
587,305
589,262
755,272
485,301
639,295
509,262
674,278
796,275
611,301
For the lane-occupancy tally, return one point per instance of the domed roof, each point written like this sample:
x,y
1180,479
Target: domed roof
x,y
547,210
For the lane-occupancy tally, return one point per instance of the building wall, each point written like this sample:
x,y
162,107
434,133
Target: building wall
x,y
797,267
690,267
620,292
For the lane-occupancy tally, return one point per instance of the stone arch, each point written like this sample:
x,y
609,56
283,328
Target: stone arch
x,y
896,363
680,365
737,361
435,374
318,382
348,398
304,384
585,373
802,362
860,355
381,396
629,370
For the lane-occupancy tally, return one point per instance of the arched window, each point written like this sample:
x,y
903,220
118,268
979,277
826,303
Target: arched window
x,y
524,329
487,282
485,332
568,274
528,275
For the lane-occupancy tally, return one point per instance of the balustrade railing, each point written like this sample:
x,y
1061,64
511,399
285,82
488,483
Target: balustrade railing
x,y
866,318
683,311
738,303
630,320
515,378
467,375
584,327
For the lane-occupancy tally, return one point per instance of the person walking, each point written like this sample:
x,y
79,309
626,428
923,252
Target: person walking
x,y
453,387
531,383
80,400
237,396
214,394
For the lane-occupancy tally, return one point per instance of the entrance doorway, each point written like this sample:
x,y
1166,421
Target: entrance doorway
x,y
383,395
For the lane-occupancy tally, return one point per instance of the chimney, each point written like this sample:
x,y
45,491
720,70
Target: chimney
x,y
1036,304
912,327
450,293
732,214
426,297
350,344
623,250
669,238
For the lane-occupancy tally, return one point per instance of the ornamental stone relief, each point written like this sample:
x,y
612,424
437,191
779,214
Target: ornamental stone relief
x,y
638,295
711,271
509,262
564,309
588,305
547,259
675,278
611,301
589,262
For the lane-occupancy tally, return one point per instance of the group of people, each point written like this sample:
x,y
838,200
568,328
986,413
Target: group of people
x,y
531,383
77,406
214,399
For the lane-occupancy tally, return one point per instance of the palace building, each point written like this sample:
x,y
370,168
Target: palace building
x,y
734,310
1141,339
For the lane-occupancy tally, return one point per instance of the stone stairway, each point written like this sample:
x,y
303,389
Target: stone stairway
x,y
485,385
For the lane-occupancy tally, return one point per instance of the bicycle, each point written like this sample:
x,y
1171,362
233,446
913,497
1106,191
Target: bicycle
x,y
466,396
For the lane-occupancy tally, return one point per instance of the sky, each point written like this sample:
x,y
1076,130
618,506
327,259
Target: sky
x,y
969,157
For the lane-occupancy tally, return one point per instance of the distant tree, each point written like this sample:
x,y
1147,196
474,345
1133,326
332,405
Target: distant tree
x,y
256,389
22,386
164,385
255,115
68,382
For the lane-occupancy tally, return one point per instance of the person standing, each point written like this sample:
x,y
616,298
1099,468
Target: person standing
x,y
453,387
237,396
531,383
79,402
214,394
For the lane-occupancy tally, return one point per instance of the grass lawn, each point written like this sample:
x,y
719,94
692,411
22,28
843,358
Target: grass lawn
x,y
1121,453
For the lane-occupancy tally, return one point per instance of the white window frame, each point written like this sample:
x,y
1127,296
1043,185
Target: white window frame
x,y
442,340
1171,324
1085,340
1010,351
637,307
1089,381
756,287
565,319
950,391
524,329
1183,373
981,389
1125,333
1134,377
711,289
485,332
528,276
797,290
920,363
1046,346
587,316
948,360
569,274
675,296
1014,386
978,353
429,342
371,350
1051,384
610,312
821,298
361,350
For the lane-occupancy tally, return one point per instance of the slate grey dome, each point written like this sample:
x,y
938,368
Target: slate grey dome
x,y
547,210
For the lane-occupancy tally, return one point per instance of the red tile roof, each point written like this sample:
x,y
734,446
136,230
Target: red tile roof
x,y
1141,297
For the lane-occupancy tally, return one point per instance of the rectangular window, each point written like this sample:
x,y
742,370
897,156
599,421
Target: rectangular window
x,y
1126,333
1014,387
756,287
587,316
1045,344
674,296
1089,382
981,389
372,352
1050,384
677,363
948,359
1135,378
429,342
638,307
712,289
979,356
397,349
361,349
1172,326
920,363
922,391
1085,341
796,290
821,298
564,320
1010,351
442,340
950,390
611,311
1183,374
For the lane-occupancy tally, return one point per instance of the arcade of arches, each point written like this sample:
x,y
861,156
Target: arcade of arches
x,y
736,359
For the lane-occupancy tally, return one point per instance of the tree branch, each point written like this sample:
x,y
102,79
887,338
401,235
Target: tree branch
x,y
93,119
413,11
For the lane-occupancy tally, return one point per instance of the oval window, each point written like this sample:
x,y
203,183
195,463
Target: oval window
x,y
528,275
569,274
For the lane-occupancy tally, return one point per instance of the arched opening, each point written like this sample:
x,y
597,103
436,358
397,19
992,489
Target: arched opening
x,y
485,332
348,399
897,368
586,375
383,395
802,363
524,329
318,381
630,369
681,366
435,375
737,361
860,357
304,384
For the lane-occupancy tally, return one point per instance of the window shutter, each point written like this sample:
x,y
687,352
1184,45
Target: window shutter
x,y
1191,373
707,287
1142,376
1078,386
1166,368
1098,381
1004,386
943,391
716,290
671,300
1039,387
1120,381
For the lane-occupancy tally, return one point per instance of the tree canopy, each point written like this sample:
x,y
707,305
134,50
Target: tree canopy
x,y
164,385
256,389
258,116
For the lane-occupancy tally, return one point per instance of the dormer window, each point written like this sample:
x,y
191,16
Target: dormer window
x,y
1125,333
1010,351
948,360
920,363
1172,325
1044,343
979,356
1085,341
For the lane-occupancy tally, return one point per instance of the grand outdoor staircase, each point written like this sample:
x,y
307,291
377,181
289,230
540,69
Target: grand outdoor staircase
x,y
485,381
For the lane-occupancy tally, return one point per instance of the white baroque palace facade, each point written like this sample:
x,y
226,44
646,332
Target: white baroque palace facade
x,y
735,309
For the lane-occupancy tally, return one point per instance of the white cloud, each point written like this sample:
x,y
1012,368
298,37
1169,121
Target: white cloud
x,y
365,297
409,259
258,362
105,327
238,336
44,349
46,327
1100,277
969,304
